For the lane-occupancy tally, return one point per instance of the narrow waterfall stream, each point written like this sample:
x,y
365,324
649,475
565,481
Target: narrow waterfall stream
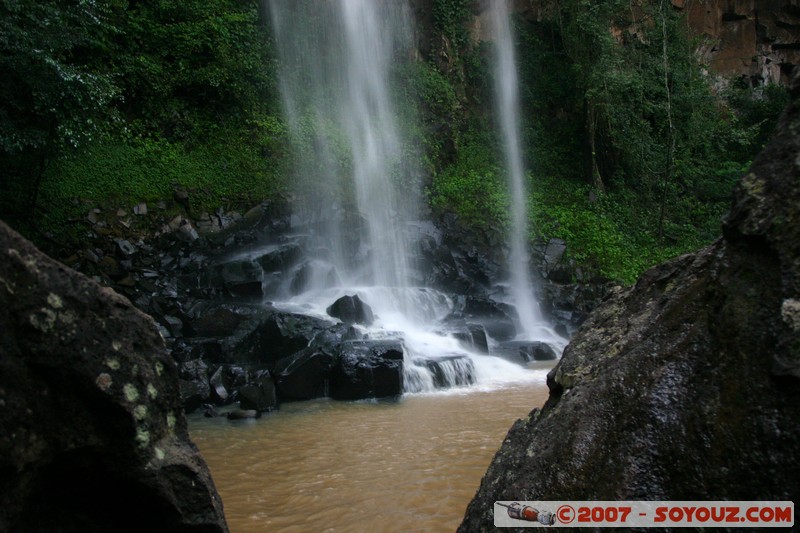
x,y
506,84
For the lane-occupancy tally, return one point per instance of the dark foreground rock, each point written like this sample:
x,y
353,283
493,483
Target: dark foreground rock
x,y
92,432
686,386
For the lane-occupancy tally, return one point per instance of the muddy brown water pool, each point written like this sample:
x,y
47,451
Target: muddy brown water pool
x,y
406,465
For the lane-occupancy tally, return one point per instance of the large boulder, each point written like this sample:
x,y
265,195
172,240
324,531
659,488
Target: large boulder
x,y
92,435
496,318
304,375
685,386
367,369
238,278
472,336
449,370
268,336
528,351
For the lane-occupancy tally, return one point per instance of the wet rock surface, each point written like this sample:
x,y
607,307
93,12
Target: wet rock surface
x,y
92,431
687,385
351,310
367,369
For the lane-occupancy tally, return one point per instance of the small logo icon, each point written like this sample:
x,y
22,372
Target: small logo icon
x,y
565,514
529,514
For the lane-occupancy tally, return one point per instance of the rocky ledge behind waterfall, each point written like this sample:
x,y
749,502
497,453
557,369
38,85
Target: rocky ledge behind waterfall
x,y
687,385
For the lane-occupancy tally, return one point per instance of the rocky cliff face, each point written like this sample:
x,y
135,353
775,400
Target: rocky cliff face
x,y
759,39
92,432
687,385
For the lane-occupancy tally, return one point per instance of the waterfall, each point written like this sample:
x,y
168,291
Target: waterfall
x,y
506,85
359,185
335,61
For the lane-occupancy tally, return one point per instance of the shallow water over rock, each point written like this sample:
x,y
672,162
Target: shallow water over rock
x,y
407,465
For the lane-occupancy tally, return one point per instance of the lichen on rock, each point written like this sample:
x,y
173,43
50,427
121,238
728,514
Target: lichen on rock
x,y
89,436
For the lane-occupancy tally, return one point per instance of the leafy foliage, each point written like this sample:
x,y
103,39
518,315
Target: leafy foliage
x,y
634,121
473,188
633,155
185,66
149,168
50,96
125,98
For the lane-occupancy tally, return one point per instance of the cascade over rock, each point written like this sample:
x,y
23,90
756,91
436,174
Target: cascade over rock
x,y
685,386
92,432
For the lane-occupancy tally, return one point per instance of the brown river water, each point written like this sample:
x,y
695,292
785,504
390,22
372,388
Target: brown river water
x,y
406,465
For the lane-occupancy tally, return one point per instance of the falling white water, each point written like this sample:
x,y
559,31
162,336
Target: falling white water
x,y
336,58
335,70
507,101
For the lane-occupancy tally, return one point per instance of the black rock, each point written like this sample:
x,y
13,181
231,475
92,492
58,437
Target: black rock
x,y
473,336
194,394
449,371
187,233
367,369
280,258
125,249
497,319
209,350
351,310
239,279
111,267
173,324
304,375
194,386
259,394
300,278
216,320
268,336
529,351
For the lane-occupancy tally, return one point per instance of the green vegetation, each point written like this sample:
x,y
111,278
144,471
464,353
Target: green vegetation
x,y
473,187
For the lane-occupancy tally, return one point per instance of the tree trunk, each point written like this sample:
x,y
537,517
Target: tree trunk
x,y
669,171
591,129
